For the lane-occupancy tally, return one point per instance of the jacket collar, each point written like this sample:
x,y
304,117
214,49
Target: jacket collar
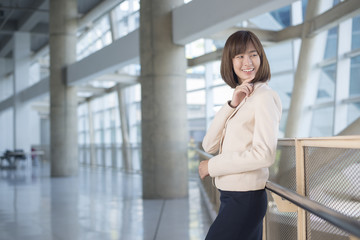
x,y
258,85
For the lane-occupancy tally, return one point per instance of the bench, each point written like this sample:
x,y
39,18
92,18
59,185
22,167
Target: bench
x,y
12,157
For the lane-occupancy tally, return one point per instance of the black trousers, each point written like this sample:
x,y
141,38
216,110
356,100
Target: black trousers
x,y
240,216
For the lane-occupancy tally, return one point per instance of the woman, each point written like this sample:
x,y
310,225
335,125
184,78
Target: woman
x,y
244,133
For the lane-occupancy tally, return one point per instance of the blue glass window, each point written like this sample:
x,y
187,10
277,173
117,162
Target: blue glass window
x,y
355,43
331,43
282,15
326,90
304,5
355,76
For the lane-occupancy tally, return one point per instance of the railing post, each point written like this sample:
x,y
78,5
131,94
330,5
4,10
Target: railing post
x,y
300,188
264,236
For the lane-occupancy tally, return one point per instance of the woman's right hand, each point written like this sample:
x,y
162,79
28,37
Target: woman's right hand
x,y
204,169
240,92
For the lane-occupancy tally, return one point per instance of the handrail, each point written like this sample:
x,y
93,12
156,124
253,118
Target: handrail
x,y
340,220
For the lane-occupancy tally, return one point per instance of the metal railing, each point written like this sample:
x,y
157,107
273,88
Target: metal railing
x,y
348,224
307,202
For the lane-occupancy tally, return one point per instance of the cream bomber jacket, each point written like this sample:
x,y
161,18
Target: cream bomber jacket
x,y
246,139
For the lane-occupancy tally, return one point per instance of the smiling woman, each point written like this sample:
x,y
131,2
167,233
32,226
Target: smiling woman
x,y
244,47
246,64
244,133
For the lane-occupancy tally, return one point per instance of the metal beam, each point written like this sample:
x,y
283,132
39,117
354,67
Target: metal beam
x,y
202,18
209,57
263,35
91,89
28,22
41,29
120,53
119,78
9,28
289,33
39,89
7,48
334,16
7,103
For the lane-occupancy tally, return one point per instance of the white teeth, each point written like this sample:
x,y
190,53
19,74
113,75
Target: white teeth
x,y
248,70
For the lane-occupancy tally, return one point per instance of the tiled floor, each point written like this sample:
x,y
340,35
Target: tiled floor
x,y
98,204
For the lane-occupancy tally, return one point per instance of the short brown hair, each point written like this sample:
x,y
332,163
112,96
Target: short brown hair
x,y
236,44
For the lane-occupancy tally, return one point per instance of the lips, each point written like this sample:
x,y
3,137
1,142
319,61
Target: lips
x,y
248,70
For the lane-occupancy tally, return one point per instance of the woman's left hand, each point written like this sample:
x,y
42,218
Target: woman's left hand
x,y
203,169
240,92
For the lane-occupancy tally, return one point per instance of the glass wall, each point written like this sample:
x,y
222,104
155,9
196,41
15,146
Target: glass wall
x,y
100,133
355,77
326,88
126,17
207,92
95,38
84,134
355,43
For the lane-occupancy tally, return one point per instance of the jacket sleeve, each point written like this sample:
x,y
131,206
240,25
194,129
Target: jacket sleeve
x,y
211,141
261,154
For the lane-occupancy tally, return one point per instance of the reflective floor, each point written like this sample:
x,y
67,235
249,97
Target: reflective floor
x,y
98,204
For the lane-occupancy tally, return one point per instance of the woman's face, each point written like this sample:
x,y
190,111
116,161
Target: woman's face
x,y
246,64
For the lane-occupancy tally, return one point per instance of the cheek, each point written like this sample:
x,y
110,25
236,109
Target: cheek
x,y
236,65
258,62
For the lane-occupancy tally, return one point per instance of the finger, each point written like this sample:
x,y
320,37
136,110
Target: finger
x,y
200,174
249,88
245,90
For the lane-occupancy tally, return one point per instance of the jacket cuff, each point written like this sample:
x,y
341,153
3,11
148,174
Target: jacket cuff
x,y
211,168
229,103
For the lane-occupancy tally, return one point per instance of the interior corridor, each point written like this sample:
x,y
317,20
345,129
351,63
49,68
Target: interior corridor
x,y
98,204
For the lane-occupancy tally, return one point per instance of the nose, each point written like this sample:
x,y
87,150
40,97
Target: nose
x,y
247,60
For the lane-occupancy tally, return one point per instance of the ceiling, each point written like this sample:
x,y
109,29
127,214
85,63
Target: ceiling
x,y
30,16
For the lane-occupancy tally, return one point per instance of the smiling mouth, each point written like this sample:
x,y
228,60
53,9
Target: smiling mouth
x,y
248,70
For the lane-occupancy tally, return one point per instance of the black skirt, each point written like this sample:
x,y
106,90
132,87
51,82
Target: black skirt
x,y
240,216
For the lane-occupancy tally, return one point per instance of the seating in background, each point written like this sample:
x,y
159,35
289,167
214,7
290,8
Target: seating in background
x,y
12,157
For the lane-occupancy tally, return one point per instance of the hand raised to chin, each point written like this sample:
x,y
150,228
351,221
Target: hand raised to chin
x,y
240,92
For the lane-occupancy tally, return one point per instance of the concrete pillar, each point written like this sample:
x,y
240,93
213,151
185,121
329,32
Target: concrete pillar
x,y
21,58
63,99
307,74
163,109
126,156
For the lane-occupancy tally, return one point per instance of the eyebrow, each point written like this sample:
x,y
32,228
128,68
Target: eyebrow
x,y
251,51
